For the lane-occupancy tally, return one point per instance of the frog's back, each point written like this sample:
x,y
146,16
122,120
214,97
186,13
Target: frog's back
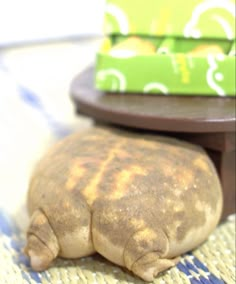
x,y
106,165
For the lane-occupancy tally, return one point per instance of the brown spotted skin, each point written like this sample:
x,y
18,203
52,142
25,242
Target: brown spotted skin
x,y
140,200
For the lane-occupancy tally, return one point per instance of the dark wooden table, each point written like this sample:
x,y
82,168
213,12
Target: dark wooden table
x,y
206,121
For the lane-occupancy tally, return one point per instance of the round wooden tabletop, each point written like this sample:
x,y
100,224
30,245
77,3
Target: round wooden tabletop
x,y
199,114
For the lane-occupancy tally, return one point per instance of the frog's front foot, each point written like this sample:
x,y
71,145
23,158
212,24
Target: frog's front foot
x,y
39,254
42,245
146,253
150,265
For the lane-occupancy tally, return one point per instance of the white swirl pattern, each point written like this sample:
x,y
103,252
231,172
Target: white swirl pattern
x,y
119,16
211,76
156,86
118,79
190,29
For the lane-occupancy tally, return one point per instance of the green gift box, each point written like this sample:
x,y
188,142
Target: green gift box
x,y
175,29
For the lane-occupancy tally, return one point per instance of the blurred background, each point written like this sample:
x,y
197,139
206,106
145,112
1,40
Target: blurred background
x,y
32,21
43,46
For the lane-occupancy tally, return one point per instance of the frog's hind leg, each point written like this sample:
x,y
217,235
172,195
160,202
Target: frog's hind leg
x,y
145,253
42,245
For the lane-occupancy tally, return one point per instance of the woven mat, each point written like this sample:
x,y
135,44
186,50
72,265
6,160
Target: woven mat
x,y
213,262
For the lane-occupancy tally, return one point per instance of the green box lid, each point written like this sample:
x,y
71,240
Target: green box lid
x,y
180,18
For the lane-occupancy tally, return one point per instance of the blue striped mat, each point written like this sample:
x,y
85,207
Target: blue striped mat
x,y
191,269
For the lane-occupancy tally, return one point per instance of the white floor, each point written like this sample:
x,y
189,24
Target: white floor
x,y
31,123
